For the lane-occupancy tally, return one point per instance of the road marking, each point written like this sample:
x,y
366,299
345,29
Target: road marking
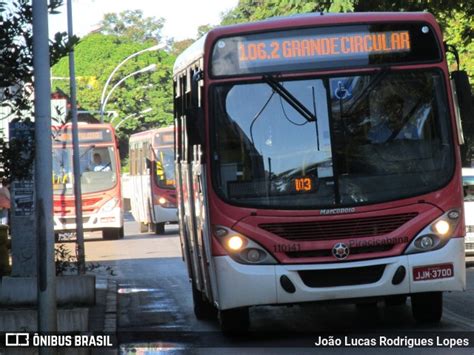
x,y
458,319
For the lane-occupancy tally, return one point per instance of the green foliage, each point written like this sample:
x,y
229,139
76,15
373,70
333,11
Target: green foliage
x,y
66,262
178,47
97,55
203,29
133,25
255,10
16,67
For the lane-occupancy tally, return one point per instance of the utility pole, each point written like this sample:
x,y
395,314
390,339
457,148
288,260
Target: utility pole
x,y
81,262
47,320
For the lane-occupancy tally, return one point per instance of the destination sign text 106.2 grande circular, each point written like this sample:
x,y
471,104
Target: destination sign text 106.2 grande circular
x,y
253,53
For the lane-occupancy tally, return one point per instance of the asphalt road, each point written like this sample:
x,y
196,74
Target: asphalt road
x,y
155,308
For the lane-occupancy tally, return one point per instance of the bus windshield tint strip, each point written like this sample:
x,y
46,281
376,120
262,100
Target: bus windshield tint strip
x,y
323,48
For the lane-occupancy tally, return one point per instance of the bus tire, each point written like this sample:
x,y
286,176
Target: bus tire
x,y
366,306
159,228
203,309
112,233
143,227
234,321
395,300
427,307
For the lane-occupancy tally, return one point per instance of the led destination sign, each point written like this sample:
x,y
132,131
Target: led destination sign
x,y
324,47
85,136
265,52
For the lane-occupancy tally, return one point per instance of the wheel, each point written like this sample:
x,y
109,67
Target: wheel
x,y
112,233
143,227
395,300
233,321
203,309
159,228
427,307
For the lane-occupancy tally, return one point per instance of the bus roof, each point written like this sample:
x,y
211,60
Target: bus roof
x,y
150,134
82,125
196,50
96,133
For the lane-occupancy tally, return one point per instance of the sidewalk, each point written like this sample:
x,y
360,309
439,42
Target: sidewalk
x,y
103,316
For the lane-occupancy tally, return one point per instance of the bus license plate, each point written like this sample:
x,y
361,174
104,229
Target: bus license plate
x,y
432,272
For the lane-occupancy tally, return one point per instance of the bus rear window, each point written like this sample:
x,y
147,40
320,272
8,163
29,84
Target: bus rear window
x,y
324,48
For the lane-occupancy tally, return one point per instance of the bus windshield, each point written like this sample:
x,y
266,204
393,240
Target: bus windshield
x,y
374,138
165,168
98,169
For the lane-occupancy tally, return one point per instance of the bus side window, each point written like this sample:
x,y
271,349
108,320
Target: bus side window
x,y
143,160
132,161
194,121
139,161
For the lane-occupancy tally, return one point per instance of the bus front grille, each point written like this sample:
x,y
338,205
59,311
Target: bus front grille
x,y
338,229
72,220
342,277
328,252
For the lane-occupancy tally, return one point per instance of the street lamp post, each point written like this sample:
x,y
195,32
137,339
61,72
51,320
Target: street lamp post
x,y
153,48
133,115
151,67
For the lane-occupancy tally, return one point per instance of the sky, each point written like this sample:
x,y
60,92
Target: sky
x,y
182,17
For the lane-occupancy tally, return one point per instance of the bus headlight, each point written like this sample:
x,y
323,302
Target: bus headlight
x,y
436,234
241,248
235,242
109,205
163,202
442,227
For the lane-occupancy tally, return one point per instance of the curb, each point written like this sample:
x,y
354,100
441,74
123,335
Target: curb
x,y
110,321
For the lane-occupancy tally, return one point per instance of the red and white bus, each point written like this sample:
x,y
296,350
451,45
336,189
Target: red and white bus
x,y
318,159
100,180
152,181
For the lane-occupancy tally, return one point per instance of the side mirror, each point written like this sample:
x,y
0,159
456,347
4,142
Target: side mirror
x,y
464,96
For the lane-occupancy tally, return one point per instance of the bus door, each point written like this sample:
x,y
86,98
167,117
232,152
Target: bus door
x,y
179,199
152,163
200,187
202,220
196,230
145,182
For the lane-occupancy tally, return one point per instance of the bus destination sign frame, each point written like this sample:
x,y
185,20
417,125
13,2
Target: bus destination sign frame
x,y
324,48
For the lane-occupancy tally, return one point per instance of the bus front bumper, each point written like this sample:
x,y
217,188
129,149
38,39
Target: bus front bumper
x,y
96,221
240,285
163,215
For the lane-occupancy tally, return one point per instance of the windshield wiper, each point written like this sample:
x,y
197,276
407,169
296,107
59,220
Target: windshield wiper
x,y
92,146
374,81
288,97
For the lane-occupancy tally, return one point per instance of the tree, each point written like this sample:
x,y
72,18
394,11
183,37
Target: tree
x,y
178,47
133,25
255,10
203,29
96,57
16,66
